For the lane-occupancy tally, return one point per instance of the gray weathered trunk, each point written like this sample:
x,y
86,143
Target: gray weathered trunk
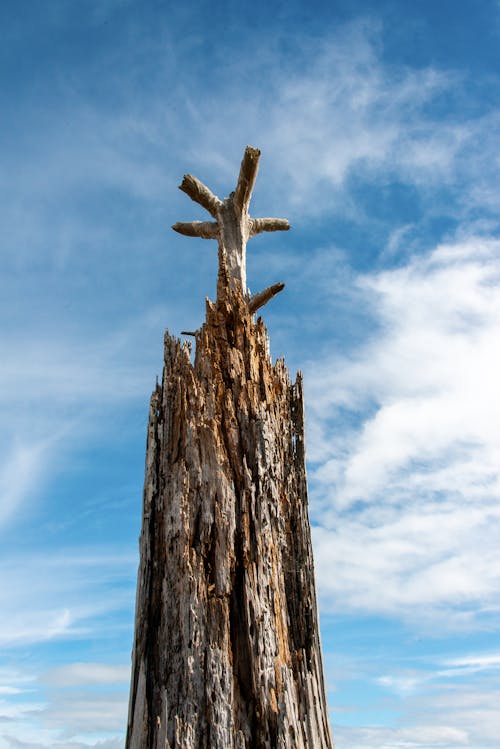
x,y
227,650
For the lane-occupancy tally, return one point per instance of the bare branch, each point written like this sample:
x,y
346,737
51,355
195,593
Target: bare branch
x,y
246,180
262,298
189,332
200,193
204,229
258,225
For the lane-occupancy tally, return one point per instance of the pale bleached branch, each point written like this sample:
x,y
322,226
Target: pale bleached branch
x,y
246,180
204,229
263,297
200,193
258,225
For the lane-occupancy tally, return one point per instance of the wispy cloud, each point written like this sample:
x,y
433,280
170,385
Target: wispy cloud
x,y
83,674
434,672
79,378
329,113
72,705
11,742
474,663
423,737
21,473
84,712
64,594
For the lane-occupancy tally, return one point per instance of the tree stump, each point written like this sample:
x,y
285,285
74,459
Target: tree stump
x,y
227,650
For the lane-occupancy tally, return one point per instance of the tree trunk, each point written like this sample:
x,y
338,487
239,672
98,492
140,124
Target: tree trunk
x,y
227,650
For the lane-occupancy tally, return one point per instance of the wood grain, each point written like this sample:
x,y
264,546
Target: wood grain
x,y
227,651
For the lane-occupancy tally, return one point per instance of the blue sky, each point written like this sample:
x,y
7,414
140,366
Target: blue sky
x,y
379,127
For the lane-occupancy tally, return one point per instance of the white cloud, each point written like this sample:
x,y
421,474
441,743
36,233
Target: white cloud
x,y
472,709
417,737
80,702
435,702
372,125
473,663
11,742
401,684
80,674
87,712
423,461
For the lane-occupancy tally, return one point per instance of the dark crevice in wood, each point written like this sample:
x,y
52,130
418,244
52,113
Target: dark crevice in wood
x,y
154,618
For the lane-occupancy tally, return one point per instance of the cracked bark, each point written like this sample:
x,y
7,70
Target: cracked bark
x,y
227,651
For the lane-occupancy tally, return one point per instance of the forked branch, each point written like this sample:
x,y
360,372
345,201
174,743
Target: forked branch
x,y
232,227
201,194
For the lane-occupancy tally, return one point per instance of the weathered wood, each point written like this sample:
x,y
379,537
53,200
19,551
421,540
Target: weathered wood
x,y
233,226
204,229
263,297
246,179
258,225
200,193
226,650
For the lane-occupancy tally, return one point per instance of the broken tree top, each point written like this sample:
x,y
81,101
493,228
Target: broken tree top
x,y
233,227
227,650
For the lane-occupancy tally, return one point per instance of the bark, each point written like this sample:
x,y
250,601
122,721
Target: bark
x,y
227,650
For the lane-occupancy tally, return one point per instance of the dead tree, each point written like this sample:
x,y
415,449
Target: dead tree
x,y
227,651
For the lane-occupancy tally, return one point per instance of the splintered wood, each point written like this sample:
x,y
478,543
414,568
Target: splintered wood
x,y
227,650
